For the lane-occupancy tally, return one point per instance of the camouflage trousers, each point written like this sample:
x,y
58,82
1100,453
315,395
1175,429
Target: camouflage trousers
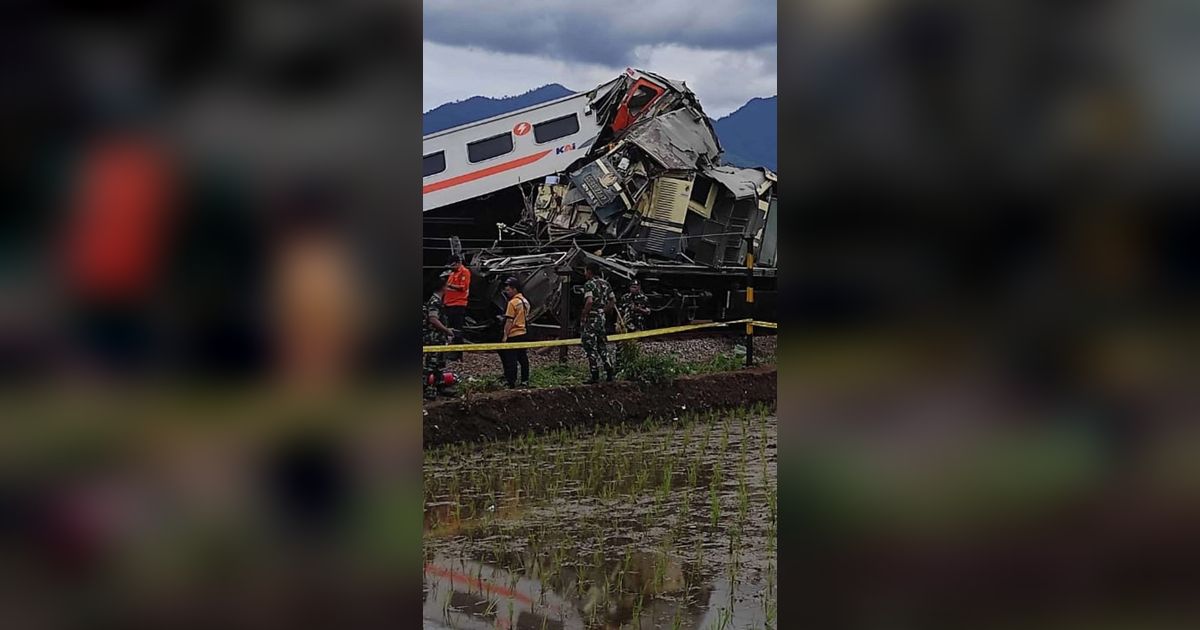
x,y
595,345
434,363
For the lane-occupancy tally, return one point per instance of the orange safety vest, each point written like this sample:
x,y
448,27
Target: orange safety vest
x,y
114,243
518,308
461,278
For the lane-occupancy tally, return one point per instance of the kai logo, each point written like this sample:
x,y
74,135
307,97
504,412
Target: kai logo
x,y
564,148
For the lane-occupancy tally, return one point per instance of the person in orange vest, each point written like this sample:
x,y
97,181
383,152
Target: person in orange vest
x,y
514,330
458,291
115,246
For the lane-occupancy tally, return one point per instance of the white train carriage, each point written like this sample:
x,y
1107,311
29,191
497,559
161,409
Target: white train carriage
x,y
483,157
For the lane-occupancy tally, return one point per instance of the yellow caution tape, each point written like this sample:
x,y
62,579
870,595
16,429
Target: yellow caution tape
x,y
672,329
765,324
512,345
552,343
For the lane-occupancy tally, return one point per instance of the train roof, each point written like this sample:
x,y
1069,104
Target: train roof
x,y
629,72
518,111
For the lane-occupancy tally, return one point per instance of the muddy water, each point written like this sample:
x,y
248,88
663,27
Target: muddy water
x,y
666,526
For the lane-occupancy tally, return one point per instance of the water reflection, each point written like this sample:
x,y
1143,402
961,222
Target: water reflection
x,y
466,594
667,527
645,591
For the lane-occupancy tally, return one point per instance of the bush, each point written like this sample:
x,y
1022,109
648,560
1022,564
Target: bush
x,y
627,352
654,368
724,362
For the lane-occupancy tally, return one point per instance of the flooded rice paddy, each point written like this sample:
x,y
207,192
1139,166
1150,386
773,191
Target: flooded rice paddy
x,y
667,525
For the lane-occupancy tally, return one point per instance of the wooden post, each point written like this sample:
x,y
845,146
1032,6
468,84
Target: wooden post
x,y
750,301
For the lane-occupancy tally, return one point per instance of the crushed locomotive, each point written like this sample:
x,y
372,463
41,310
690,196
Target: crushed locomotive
x,y
629,175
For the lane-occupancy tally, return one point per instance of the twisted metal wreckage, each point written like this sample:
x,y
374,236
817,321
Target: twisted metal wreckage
x,y
648,199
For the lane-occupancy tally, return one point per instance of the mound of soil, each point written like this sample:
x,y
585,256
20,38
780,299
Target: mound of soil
x,y
506,414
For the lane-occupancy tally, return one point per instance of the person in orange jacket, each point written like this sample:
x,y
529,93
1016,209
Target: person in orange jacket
x,y
458,291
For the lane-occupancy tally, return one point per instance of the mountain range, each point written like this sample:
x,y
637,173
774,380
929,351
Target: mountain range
x,y
748,135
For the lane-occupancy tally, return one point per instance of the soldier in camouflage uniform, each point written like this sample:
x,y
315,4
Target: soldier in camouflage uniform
x,y
434,333
635,306
598,298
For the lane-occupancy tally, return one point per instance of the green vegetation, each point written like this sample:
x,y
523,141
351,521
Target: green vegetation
x,y
634,525
632,364
553,375
653,368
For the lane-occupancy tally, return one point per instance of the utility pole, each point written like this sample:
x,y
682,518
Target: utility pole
x,y
750,300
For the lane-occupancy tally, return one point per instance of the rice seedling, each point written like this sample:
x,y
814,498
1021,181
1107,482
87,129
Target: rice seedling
x,y
743,501
724,618
665,486
660,570
714,502
574,509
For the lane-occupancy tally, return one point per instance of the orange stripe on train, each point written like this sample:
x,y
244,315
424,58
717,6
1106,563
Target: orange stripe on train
x,y
481,173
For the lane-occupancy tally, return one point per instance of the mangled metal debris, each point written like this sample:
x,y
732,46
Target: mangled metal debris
x,y
647,194
679,140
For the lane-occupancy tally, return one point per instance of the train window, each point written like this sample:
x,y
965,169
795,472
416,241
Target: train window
x,y
433,164
555,129
641,99
489,148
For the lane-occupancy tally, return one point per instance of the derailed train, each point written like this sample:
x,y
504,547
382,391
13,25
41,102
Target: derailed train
x,y
629,175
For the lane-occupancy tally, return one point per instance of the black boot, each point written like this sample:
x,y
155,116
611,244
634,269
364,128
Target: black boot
x,y
610,372
595,377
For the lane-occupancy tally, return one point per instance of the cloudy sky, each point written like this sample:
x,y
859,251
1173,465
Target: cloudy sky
x,y
723,49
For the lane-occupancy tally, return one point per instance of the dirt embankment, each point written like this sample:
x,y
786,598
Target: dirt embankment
x,y
505,414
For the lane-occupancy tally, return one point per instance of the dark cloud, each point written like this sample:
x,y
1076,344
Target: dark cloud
x,y
599,32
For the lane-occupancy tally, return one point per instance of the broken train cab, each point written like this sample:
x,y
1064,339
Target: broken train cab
x,y
629,175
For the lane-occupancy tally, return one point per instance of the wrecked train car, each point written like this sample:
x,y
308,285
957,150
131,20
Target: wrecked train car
x,y
488,156
628,174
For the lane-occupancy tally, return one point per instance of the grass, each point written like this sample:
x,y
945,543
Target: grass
x,y
632,364
654,368
552,375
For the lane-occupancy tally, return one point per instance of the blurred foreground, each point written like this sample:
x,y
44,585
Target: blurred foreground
x,y
989,377
205,326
